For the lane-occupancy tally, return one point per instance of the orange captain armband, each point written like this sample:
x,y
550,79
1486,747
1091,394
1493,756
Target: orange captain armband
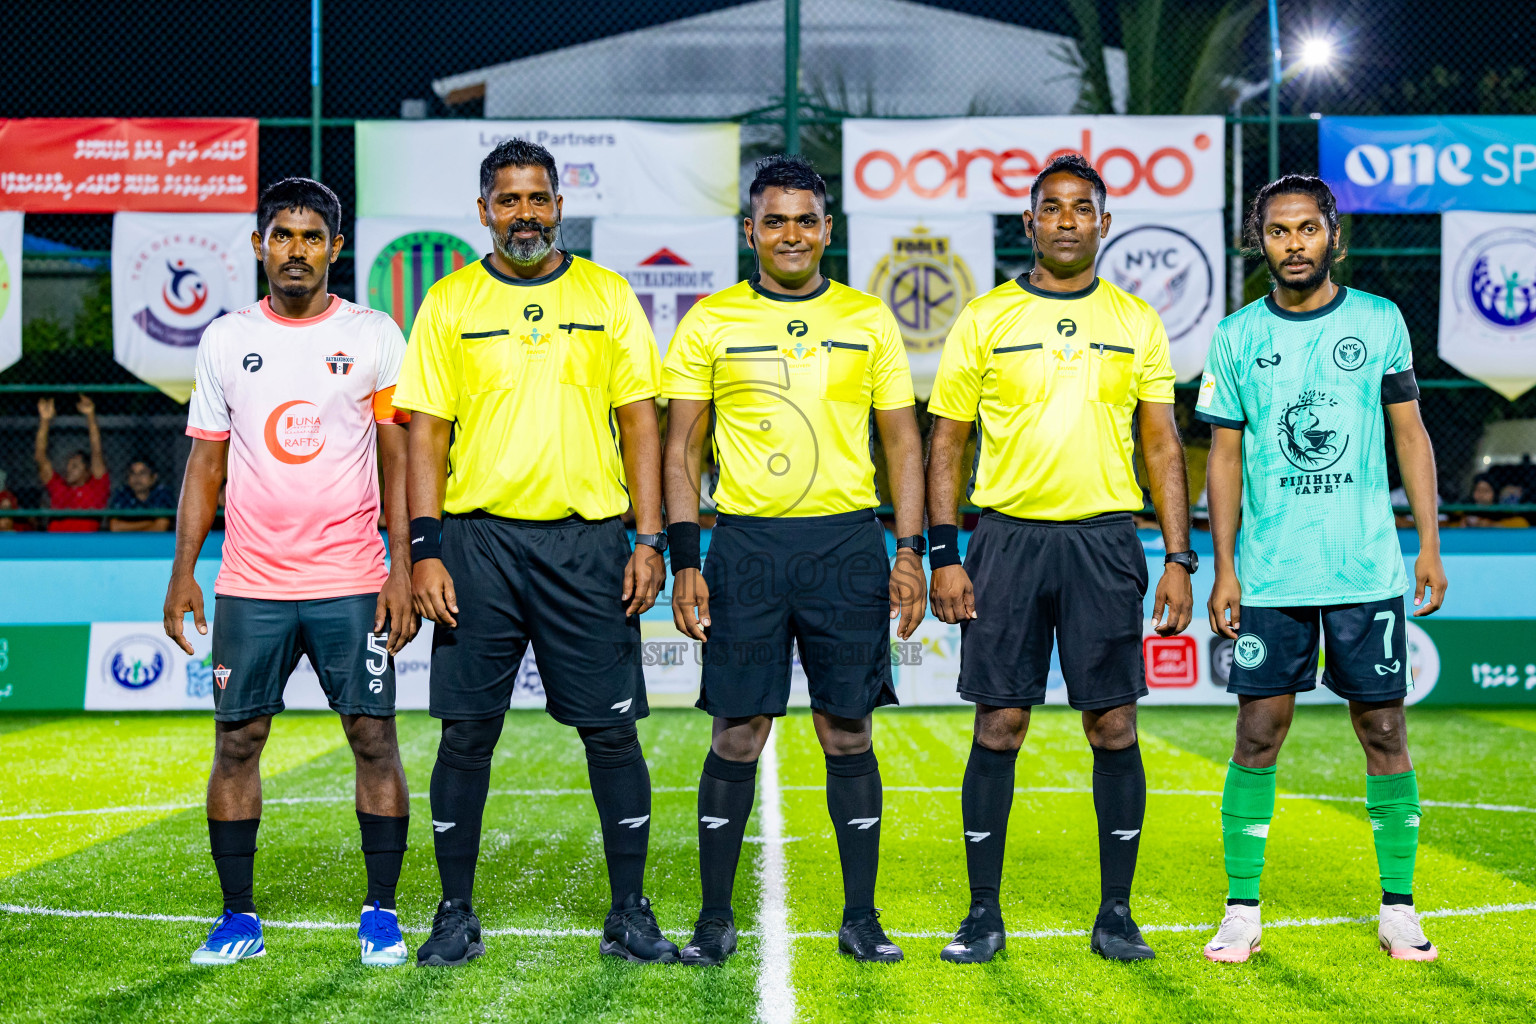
x,y
384,410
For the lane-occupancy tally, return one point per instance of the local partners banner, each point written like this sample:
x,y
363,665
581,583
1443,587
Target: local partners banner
x,y
400,258
925,269
670,262
606,168
1488,298
1418,164
1176,262
10,287
172,275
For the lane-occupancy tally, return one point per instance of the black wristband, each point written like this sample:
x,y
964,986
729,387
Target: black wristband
x,y
943,546
683,546
426,539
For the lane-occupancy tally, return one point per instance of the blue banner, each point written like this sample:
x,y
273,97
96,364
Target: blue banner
x,y
1428,164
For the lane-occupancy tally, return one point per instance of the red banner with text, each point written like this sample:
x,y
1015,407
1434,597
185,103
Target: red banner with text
x,y
108,164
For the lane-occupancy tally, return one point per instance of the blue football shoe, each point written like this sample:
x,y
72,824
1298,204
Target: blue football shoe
x,y
234,937
380,938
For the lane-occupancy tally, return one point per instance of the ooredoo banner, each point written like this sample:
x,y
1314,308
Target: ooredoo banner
x,y
606,168
1177,263
1419,164
925,269
400,258
1488,298
987,164
670,262
10,287
106,164
173,274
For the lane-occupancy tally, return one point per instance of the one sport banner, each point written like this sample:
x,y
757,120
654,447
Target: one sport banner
x,y
172,275
400,258
1488,298
1177,263
10,287
670,262
925,269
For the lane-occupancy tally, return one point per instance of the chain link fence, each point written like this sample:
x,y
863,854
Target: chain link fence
x,y
730,61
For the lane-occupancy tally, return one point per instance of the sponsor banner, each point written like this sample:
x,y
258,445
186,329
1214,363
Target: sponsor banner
x,y
607,168
670,262
1488,298
172,275
925,269
400,258
107,164
987,164
10,287
42,668
1419,164
1177,263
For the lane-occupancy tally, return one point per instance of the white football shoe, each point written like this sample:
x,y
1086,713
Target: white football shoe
x,y
1401,935
1238,936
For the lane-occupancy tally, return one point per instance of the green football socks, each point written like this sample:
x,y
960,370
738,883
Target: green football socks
x,y
1393,804
1247,805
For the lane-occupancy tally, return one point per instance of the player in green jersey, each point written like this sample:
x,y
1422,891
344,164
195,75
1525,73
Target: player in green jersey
x,y
1294,389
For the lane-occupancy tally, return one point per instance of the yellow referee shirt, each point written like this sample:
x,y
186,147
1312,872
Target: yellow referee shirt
x,y
792,379
1052,380
530,372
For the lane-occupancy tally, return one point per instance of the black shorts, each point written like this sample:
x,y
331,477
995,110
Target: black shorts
x,y
257,644
820,581
1080,582
558,584
1365,650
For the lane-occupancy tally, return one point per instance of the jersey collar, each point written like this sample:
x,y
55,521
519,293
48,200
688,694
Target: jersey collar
x,y
756,282
1082,293
526,282
1311,314
266,310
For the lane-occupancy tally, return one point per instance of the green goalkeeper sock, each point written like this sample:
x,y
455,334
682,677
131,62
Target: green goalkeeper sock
x,y
1393,804
1247,805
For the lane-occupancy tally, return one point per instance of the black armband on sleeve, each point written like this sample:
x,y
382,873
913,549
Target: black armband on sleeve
x,y
426,539
683,546
1399,387
943,546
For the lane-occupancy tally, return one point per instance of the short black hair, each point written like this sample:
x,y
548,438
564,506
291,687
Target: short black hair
x,y
1076,165
298,194
85,456
1292,185
791,172
517,153
147,462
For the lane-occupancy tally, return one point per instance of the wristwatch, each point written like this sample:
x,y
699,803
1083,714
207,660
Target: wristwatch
x,y
917,542
653,540
1188,559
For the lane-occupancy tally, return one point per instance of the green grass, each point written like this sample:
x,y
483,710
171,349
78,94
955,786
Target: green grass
x,y
541,869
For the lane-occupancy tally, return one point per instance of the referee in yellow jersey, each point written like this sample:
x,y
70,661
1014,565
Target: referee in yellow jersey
x,y
785,372
533,376
1055,368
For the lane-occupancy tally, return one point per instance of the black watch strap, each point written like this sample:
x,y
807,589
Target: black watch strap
x,y
917,542
1188,559
653,540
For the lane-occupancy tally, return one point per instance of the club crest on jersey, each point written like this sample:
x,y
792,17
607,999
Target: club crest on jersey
x,y
1349,354
221,676
339,362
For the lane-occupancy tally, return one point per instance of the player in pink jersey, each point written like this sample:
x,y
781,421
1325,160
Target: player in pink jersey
x,y
294,395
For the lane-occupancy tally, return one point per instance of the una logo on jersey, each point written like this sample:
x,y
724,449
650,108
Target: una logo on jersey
x,y
294,433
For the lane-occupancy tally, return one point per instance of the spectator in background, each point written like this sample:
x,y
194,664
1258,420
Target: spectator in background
x,y
7,501
142,491
1511,494
1484,493
84,483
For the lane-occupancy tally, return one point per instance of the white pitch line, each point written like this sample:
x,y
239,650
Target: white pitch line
x,y
775,991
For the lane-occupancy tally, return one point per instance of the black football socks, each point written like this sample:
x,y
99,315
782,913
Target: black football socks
x,y
234,857
855,801
1120,799
621,788
986,798
726,789
383,853
460,781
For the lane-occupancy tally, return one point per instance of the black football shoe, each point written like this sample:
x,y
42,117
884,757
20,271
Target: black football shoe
x,y
632,933
714,939
1115,935
455,937
865,941
980,938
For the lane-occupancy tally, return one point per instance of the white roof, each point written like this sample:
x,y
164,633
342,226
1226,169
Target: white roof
x,y
882,57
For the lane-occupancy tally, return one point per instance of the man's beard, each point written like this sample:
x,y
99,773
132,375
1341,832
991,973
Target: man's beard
x,y
526,252
1315,277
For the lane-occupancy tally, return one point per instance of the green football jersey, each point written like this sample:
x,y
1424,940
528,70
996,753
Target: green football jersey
x,y
1307,390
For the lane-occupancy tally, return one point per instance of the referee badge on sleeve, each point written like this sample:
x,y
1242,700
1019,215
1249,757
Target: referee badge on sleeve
x,y
1207,392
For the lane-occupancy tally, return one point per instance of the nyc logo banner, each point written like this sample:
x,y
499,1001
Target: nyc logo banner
x,y
1488,298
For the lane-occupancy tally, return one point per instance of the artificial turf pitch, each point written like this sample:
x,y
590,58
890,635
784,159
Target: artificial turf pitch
x,y
541,888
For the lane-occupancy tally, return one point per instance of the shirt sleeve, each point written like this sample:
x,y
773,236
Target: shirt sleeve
x,y
957,385
1398,383
1155,381
428,381
1220,402
207,413
688,370
390,355
893,376
635,371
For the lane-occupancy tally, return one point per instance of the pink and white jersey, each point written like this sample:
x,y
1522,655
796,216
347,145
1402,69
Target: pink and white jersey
x,y
298,400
